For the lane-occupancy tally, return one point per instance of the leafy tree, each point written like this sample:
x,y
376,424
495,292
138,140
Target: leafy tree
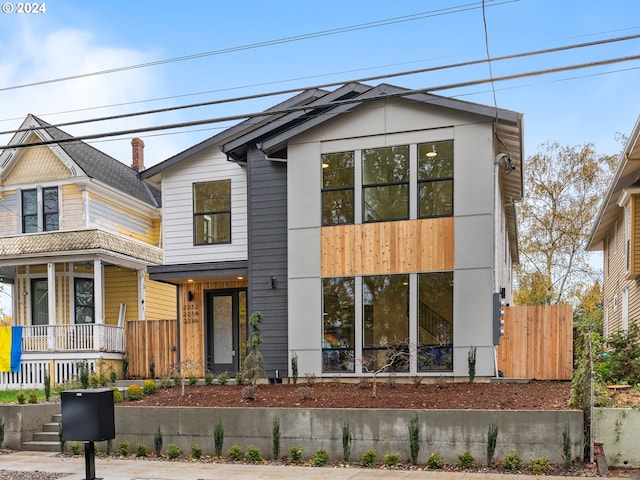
x,y
563,188
254,361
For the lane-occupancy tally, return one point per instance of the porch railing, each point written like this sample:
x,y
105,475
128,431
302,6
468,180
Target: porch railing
x,y
32,372
73,338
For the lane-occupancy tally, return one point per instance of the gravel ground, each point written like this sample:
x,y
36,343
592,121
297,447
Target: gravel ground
x,y
15,475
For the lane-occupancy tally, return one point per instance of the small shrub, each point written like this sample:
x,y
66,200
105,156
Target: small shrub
x,y
123,449
33,397
83,374
173,451
368,459
75,448
152,368
471,363
512,461
435,461
148,387
218,438
492,438
208,378
117,395
62,442
310,378
295,454
294,368
1,431
320,458
275,434
414,439
306,393
391,459
363,383
540,465
566,446
250,392
141,450
47,385
94,381
347,438
165,382
125,367
417,381
223,378
157,441
109,447
134,392
466,460
239,378
196,452
253,454
192,379
113,376
392,380
177,380
21,397
235,453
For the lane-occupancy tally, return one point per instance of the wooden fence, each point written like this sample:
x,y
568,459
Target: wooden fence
x,y
537,343
151,340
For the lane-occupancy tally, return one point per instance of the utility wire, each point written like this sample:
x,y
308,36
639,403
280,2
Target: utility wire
x,y
266,113
333,84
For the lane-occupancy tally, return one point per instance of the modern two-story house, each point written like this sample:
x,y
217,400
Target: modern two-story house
x,y
365,223
615,233
78,230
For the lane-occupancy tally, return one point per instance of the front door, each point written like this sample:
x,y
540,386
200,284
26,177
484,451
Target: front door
x,y
226,329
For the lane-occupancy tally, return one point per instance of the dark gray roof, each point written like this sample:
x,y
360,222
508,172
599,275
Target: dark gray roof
x,y
102,167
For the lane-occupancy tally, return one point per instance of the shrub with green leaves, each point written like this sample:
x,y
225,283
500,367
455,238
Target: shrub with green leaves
x,y
149,387
320,457
47,385
123,449
141,450
346,441
253,454
235,453
196,452
492,439
540,465
391,459
208,378
223,378
75,448
21,397
435,462
1,431
173,451
33,397
193,379
157,441
295,454
512,461
294,368
134,392
218,438
166,382
117,395
60,440
466,460
368,458
566,446
414,439
275,434
83,373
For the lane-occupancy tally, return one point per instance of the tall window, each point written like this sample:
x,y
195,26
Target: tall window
x,y
627,235
41,215
39,301
435,321
212,212
84,300
385,183
385,303
338,328
337,188
435,179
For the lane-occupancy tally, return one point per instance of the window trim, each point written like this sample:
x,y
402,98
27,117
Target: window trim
x,y
40,215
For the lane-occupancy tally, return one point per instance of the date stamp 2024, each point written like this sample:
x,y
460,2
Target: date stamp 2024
x,y
26,8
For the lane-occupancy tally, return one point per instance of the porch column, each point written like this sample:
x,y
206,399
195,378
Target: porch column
x,y
51,297
142,314
98,299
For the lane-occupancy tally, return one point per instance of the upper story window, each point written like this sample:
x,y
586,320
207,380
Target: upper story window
x,y
385,183
212,212
435,179
337,188
40,210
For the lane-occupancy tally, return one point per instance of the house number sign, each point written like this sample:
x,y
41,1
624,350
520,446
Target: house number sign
x,y
190,313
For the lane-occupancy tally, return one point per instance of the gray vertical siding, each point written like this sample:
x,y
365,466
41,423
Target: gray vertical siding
x,y
267,218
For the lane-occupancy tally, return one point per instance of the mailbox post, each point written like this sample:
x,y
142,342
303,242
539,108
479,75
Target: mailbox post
x,y
88,416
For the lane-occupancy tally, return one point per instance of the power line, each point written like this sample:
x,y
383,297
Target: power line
x,y
267,43
330,104
334,84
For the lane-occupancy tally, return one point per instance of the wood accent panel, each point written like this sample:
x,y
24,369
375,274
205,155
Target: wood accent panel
x,y
387,247
537,343
151,340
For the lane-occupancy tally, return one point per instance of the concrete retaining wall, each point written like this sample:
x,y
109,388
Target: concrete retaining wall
x,y
617,429
21,421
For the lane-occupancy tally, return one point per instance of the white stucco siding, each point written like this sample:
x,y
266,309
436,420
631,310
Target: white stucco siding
x,y
177,201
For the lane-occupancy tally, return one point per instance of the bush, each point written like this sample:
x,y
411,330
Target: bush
x,y
157,441
492,438
235,453
435,461
166,382
1,431
83,374
196,452
141,450
117,395
148,387
253,454
320,458
173,451
94,381
368,458
250,392
75,448
123,449
223,378
346,441
218,438
275,433
295,454
21,397
466,460
47,386
134,392
33,397
414,439
193,379
208,378
239,378
391,459
512,461
540,465
306,393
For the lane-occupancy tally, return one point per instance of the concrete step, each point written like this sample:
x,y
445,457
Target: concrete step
x,y
51,427
41,446
46,437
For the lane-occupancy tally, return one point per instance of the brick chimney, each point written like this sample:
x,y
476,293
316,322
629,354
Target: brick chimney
x,y
137,154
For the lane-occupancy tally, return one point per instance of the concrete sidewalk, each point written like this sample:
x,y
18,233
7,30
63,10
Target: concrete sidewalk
x,y
116,469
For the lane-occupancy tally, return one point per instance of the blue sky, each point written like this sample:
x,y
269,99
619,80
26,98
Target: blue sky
x,y
77,37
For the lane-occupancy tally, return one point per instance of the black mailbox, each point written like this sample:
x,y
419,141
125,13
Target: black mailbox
x,y
88,415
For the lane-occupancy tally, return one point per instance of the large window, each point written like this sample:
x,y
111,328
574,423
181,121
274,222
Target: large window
x,y
84,300
338,328
435,321
337,188
212,212
39,301
385,183
435,179
40,215
385,303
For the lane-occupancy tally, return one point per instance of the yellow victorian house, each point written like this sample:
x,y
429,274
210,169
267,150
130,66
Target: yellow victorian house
x,y
78,230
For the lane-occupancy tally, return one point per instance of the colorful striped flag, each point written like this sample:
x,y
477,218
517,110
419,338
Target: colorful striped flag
x,y
10,348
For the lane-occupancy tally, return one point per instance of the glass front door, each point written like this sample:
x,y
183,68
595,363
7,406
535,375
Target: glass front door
x,y
226,329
